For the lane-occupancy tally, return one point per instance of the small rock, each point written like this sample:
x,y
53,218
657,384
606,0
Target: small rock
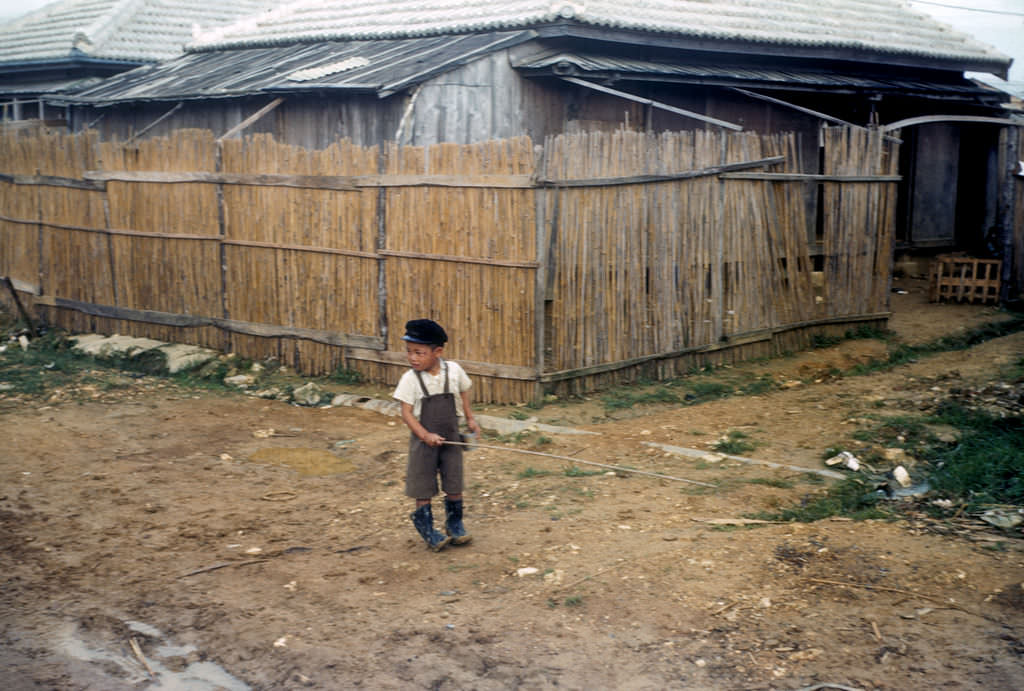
x,y
23,342
895,455
242,381
308,394
902,476
527,571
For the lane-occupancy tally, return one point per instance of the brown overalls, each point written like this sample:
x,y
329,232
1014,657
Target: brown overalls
x,y
437,415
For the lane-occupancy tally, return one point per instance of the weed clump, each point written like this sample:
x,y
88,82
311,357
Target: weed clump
x,y
734,443
986,465
849,497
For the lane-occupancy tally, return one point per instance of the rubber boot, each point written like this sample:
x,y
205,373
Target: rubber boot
x,y
423,519
453,522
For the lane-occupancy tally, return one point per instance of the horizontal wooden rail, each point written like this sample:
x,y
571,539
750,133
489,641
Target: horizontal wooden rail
x,y
459,260
111,231
809,177
300,248
482,369
343,183
734,340
53,181
234,325
666,177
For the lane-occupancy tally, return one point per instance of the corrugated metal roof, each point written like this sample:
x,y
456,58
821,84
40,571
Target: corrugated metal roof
x,y
128,30
381,67
875,26
389,65
605,67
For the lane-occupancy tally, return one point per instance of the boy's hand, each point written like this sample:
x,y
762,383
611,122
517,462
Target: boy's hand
x,y
433,439
472,425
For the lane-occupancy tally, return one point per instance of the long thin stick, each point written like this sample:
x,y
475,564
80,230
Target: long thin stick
x,y
580,460
142,658
945,603
21,308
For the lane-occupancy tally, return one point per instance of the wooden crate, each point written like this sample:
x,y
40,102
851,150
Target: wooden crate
x,y
964,279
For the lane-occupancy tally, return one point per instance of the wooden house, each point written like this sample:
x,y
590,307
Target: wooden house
x,y
71,44
598,191
422,73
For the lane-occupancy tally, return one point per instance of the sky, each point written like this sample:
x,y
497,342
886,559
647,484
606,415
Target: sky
x,y
997,22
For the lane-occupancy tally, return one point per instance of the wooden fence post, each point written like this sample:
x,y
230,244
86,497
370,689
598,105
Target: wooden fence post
x,y
1008,137
541,278
218,166
382,237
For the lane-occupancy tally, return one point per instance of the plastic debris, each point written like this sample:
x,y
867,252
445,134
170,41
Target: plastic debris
x,y
846,460
1003,518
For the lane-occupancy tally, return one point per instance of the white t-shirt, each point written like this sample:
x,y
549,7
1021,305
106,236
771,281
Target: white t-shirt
x,y
409,390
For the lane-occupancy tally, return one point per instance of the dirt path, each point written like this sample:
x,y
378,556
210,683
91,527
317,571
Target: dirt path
x,y
138,516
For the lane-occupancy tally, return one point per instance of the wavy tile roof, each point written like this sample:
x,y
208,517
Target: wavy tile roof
x,y
128,30
879,26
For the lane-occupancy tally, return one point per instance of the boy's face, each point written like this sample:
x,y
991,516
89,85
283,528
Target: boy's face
x,y
423,357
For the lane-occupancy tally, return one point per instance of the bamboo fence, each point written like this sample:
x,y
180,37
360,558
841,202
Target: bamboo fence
x,y
592,260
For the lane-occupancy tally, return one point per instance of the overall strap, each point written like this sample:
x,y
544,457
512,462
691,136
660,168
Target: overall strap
x,y
423,386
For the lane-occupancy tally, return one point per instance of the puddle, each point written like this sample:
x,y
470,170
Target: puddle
x,y
168,661
304,461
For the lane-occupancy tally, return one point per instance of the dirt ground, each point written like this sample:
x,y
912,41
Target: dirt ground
x,y
148,525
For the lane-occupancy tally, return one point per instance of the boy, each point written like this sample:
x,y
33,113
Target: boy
x,y
434,396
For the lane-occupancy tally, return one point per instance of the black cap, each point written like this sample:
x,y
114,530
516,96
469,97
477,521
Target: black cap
x,y
425,331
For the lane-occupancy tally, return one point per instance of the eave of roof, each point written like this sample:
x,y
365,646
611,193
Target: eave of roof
x,y
381,67
609,69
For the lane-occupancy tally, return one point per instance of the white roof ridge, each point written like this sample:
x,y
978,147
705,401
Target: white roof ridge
x,y
105,24
216,34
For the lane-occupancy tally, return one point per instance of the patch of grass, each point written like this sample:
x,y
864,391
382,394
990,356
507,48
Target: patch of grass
x,y
576,471
519,415
862,332
542,440
760,385
772,482
344,375
707,390
573,601
902,353
824,341
902,431
622,399
987,463
849,497
734,443
48,363
530,471
1015,372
